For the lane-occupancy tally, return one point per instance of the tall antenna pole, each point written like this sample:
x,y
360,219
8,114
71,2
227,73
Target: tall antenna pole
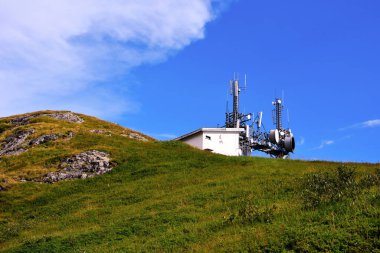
x,y
235,103
227,115
278,113
282,96
287,112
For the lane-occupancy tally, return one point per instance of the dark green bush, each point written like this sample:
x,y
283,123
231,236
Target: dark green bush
x,y
370,180
330,187
325,187
249,213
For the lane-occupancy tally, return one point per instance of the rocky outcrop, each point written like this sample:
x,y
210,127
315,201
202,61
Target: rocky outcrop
x,y
66,116
83,165
101,131
14,144
21,121
17,143
43,139
135,136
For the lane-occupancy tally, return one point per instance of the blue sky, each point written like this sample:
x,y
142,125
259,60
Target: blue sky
x,y
162,67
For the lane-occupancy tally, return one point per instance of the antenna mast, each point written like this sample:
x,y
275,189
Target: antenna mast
x,y
235,111
278,113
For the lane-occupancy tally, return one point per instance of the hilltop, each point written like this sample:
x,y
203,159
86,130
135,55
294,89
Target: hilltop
x,y
74,183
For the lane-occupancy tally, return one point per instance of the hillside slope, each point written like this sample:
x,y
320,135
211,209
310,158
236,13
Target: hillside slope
x,y
167,196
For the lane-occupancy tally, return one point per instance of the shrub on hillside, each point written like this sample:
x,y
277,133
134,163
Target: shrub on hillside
x,y
328,187
370,180
249,213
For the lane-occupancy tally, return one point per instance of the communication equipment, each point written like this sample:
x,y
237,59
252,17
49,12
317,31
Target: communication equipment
x,y
278,142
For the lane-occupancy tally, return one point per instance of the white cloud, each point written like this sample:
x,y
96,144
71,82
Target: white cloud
x,y
325,143
53,51
365,124
302,141
371,123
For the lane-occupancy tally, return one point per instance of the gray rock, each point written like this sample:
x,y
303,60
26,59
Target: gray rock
x,y
135,136
69,135
43,139
81,166
66,116
13,144
16,144
101,131
21,121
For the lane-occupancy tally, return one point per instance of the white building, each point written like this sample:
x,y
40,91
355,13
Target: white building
x,y
217,140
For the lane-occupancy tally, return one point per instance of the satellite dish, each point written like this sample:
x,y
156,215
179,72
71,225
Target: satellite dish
x,y
274,136
290,143
260,119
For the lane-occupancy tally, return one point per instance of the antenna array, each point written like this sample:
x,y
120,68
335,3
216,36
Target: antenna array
x,y
278,142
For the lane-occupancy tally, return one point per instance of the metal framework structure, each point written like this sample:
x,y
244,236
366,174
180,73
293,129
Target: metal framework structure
x,y
278,142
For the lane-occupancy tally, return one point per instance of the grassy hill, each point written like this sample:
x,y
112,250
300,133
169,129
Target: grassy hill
x,y
169,197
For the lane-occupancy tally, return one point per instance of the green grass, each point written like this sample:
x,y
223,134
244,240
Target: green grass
x,y
169,197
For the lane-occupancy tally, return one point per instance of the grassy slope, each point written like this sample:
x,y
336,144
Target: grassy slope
x,y
167,196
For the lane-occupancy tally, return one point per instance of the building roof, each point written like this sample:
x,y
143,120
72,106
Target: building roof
x,y
205,130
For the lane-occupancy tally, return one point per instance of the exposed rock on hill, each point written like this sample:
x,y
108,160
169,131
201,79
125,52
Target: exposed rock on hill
x,y
135,136
21,121
101,131
49,140
14,144
17,143
66,116
44,138
83,165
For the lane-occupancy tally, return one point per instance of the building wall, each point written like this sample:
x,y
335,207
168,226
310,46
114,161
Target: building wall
x,y
226,143
195,140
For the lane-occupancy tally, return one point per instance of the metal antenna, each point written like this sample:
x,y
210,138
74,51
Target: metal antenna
x,y
287,112
282,97
278,142
235,103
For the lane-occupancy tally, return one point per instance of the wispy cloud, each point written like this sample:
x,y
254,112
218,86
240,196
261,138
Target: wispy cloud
x,y
365,124
325,143
52,52
371,123
301,141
